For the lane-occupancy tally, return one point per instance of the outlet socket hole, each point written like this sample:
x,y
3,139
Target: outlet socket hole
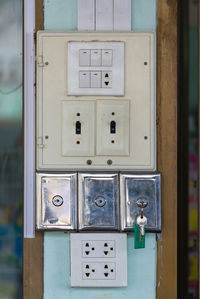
x,y
106,267
106,252
87,252
78,114
93,270
87,267
87,245
112,270
106,274
93,248
78,142
105,245
106,75
111,248
106,83
87,274
113,141
113,113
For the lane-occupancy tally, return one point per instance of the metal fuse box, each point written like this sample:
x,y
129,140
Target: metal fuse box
x,y
134,188
56,201
98,201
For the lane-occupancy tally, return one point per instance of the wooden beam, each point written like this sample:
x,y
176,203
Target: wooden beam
x,y
33,248
167,146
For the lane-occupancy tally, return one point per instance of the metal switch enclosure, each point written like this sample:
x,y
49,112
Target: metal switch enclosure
x,y
66,74
56,201
98,201
86,57
98,260
145,187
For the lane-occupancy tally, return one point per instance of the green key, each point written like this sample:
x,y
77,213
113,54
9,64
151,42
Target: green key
x,y
139,228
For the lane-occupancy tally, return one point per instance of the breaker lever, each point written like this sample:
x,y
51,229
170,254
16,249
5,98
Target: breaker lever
x,y
112,127
78,127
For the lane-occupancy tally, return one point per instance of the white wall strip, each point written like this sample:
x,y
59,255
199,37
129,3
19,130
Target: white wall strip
x,y
29,119
104,15
86,15
122,15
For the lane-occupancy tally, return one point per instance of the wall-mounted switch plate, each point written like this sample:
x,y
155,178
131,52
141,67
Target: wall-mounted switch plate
x,y
98,260
56,201
73,58
95,57
78,128
98,201
113,127
142,187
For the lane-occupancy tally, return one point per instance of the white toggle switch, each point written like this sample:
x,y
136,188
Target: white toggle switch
x,y
84,57
106,57
95,79
84,79
95,57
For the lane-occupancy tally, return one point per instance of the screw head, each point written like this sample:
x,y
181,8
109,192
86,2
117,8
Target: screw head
x,y
89,162
109,162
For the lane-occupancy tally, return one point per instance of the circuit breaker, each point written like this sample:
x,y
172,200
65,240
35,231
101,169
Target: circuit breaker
x,y
96,101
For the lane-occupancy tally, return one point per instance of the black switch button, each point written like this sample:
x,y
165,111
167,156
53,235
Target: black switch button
x,y
78,128
112,127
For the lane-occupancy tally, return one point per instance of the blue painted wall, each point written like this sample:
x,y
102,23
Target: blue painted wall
x,y
62,15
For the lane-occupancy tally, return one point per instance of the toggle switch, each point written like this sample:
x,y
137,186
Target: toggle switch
x,y
95,57
112,127
84,57
95,79
84,79
78,127
107,58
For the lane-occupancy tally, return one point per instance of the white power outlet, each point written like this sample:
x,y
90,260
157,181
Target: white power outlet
x,y
99,249
113,127
102,271
98,260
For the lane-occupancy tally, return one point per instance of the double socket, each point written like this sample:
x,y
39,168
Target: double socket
x,y
98,197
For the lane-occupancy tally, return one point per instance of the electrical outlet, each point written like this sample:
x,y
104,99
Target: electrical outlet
x,y
98,249
98,260
78,128
113,127
92,271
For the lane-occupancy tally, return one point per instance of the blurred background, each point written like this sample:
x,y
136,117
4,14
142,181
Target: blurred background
x,y
11,183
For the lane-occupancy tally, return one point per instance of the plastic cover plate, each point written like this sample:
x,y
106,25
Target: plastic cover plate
x,y
56,201
98,201
140,187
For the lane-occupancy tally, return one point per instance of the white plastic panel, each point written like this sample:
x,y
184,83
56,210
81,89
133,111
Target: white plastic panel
x,y
98,260
85,58
122,15
139,152
104,15
86,15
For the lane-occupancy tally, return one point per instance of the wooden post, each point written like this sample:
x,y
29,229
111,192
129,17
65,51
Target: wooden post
x,y
167,146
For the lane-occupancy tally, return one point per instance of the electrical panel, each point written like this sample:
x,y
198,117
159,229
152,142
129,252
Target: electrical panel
x,y
96,101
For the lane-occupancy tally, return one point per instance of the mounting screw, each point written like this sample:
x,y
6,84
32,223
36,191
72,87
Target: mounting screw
x,y
109,162
46,63
89,162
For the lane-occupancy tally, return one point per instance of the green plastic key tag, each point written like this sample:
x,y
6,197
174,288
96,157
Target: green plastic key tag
x,y
139,229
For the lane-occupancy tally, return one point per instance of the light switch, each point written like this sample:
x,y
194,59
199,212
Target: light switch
x,y
106,57
113,127
84,57
78,128
95,79
95,57
84,79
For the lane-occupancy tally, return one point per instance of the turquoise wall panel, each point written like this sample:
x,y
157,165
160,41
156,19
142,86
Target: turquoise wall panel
x,y
141,271
62,15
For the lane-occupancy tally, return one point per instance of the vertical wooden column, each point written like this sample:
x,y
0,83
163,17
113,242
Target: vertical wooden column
x,y
167,146
33,248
